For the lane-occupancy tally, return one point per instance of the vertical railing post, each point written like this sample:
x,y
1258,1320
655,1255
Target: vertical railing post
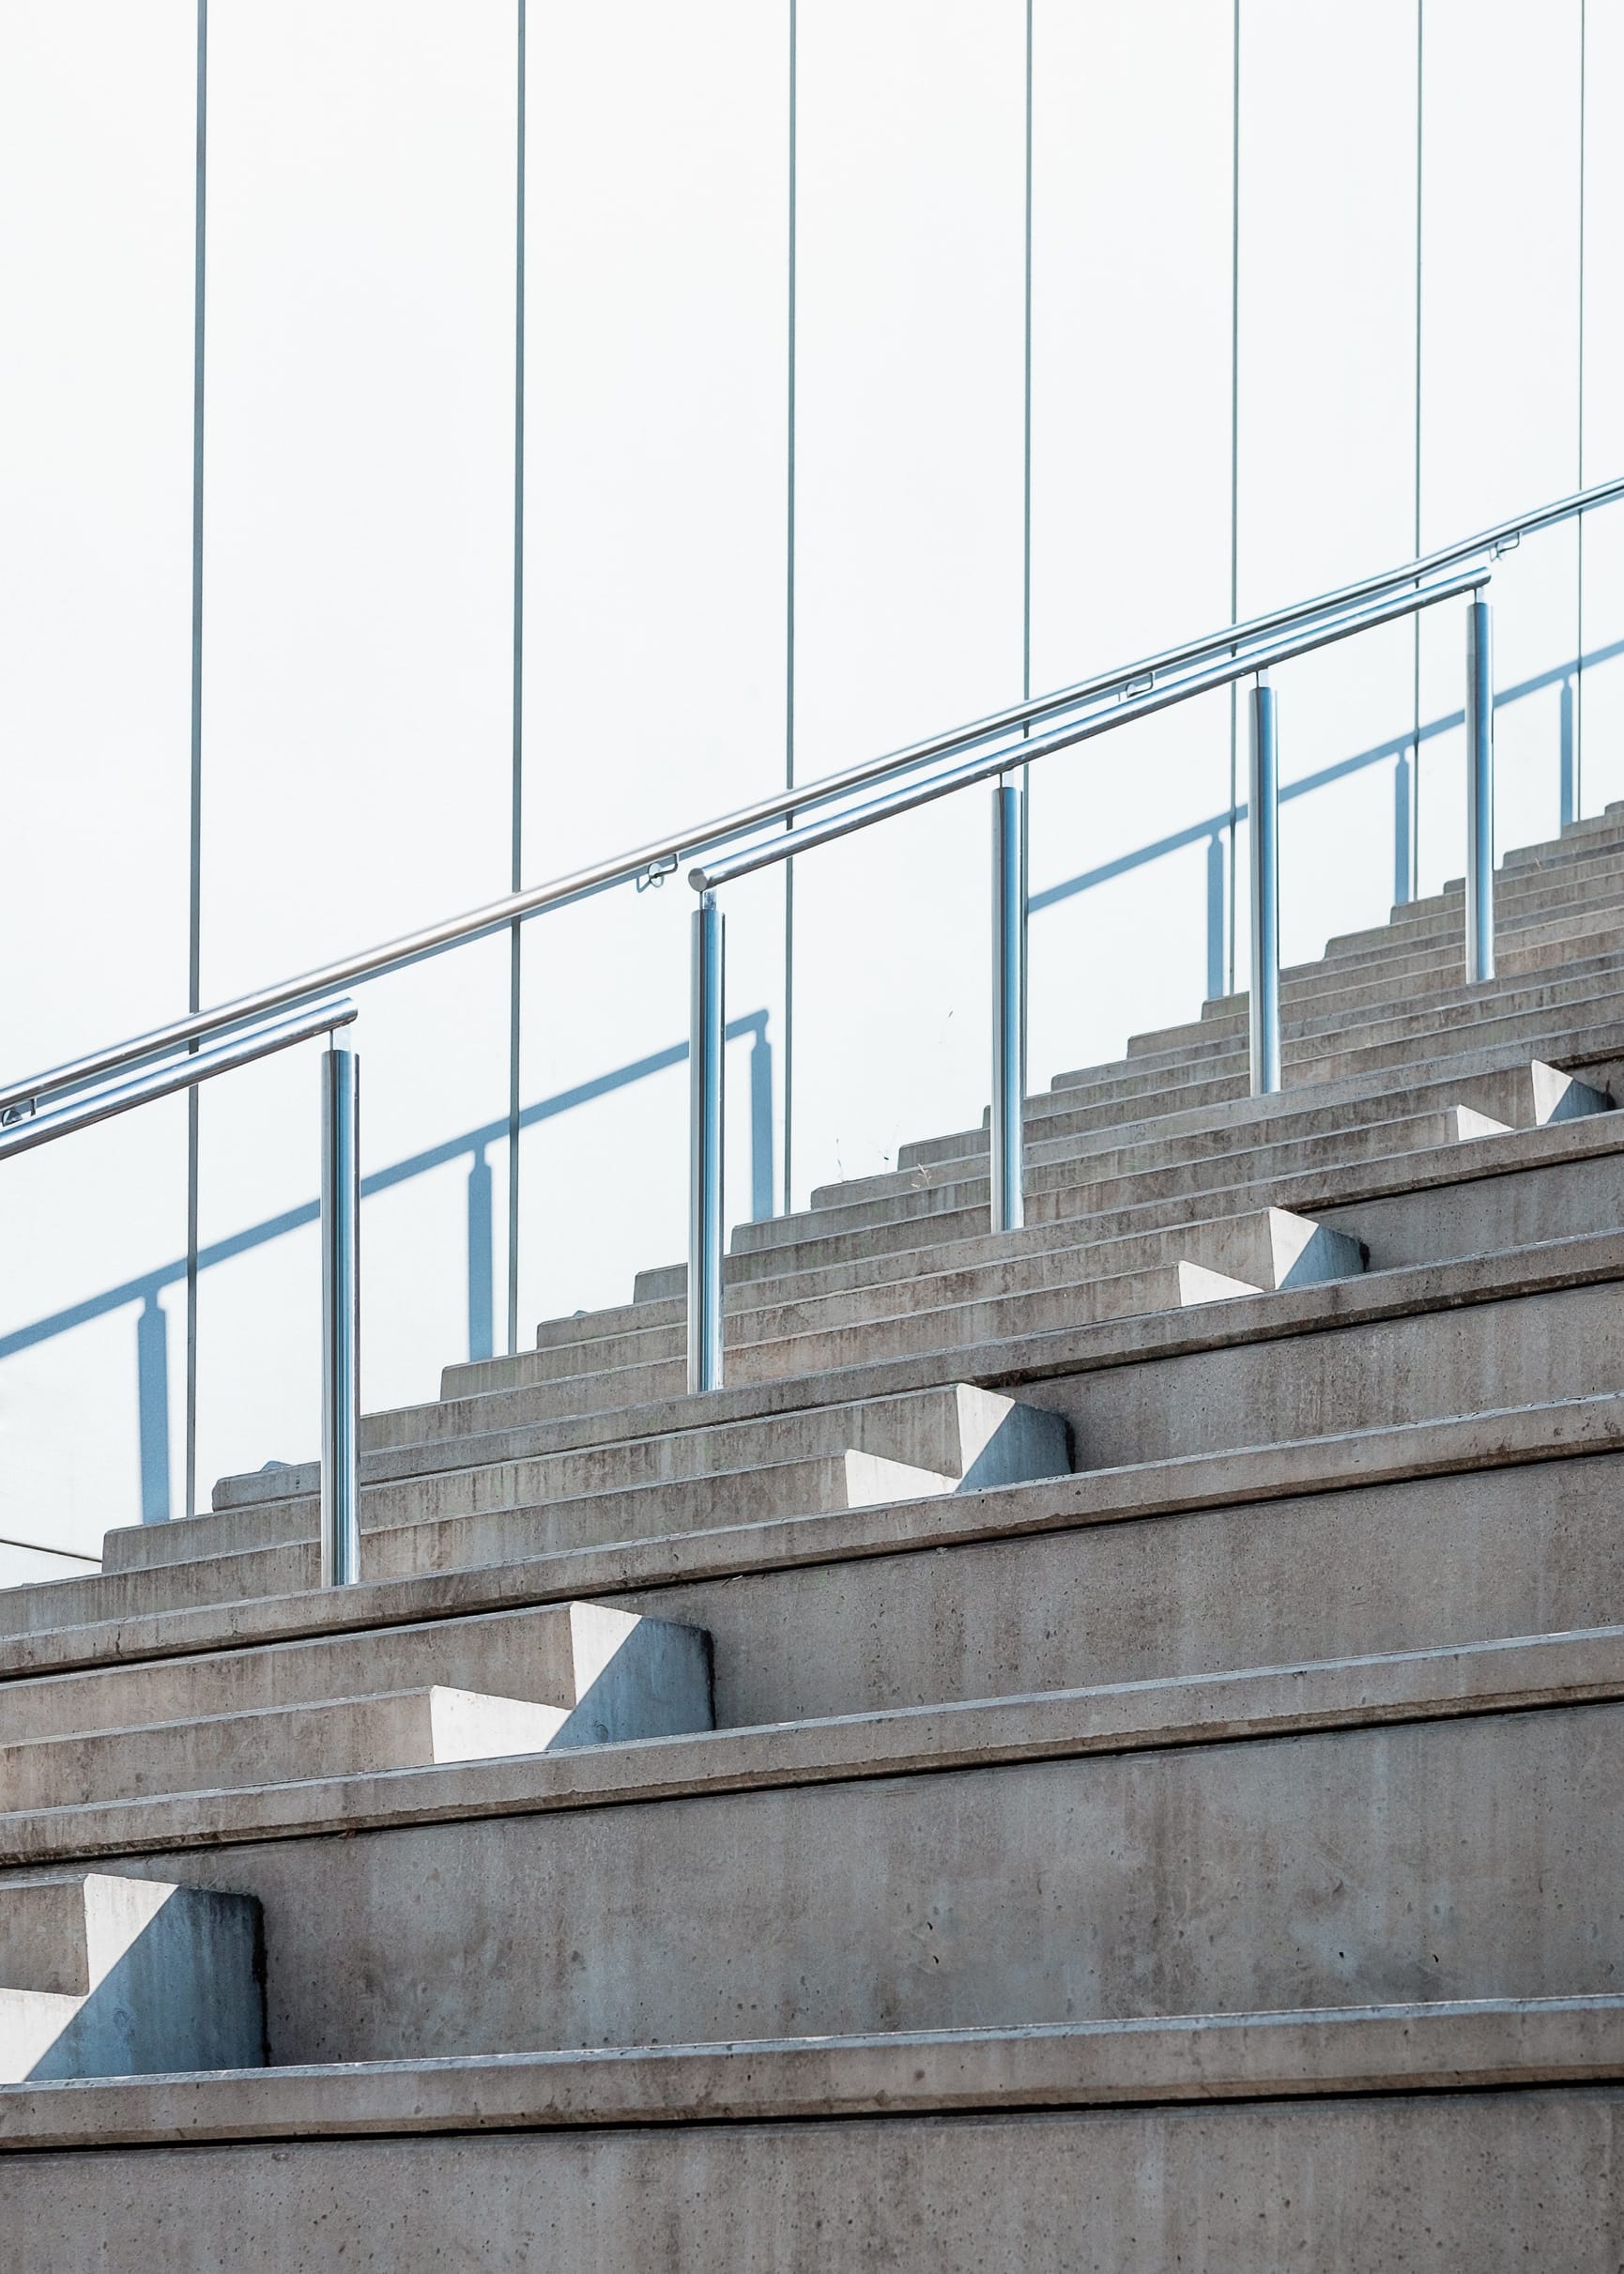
x,y
707,1044
1008,1010
1262,807
340,1317
1480,791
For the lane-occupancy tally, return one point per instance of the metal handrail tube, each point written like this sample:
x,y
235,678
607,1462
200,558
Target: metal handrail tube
x,y
181,1073
340,1232
1005,1127
664,853
1264,806
1480,793
707,1060
1408,602
340,1317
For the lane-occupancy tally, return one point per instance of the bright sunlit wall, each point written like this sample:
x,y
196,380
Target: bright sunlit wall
x,y
882,359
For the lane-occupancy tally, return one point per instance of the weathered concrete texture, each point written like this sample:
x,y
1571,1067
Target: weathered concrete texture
x,y
108,1976
1492,2182
1165,2060
1366,1863
1518,1437
626,1676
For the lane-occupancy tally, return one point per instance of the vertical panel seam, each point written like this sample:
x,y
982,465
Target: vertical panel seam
x,y
195,878
516,950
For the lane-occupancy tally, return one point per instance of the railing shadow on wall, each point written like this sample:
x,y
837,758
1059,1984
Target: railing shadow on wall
x,y
1214,827
151,1323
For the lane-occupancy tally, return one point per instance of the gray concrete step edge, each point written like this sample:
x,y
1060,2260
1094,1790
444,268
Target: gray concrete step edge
x,y
1381,1008
1211,1047
1541,1029
1250,1705
1008,1363
1454,2045
1518,1436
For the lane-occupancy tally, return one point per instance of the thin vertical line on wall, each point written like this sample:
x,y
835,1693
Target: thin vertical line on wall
x,y
516,945
195,888
789,656
1026,547
1234,465
1026,415
1413,798
1579,644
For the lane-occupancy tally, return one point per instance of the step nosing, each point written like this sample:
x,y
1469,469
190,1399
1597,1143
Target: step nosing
x,y
1331,1698
1230,2057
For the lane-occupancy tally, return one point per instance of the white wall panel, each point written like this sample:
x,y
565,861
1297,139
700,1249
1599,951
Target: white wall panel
x,y
909,463
96,167
1132,157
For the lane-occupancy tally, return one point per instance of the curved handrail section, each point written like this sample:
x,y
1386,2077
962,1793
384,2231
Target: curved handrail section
x,y
663,855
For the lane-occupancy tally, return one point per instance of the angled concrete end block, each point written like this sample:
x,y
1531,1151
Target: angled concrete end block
x,y
1559,1097
1002,1441
173,1979
636,1677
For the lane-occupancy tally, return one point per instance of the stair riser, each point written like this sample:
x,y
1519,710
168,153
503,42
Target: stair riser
x,y
1036,1246
1379,1010
257,1566
1530,1350
1555,1034
1418,1565
505,1655
1240,1250
922,1429
1330,1868
740,1496
1431,1223
1502,2181
1069,1188
658,1686
1053,1133
1213,1044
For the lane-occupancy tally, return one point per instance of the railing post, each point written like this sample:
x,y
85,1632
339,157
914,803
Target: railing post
x,y
1008,1010
1262,807
340,1317
1480,791
707,1045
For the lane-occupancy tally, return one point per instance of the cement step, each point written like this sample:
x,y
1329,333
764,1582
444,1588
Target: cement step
x,y
114,1976
804,1610
1375,1013
1454,2044
1571,1044
1264,1247
1177,1053
1260,2143
1522,1096
1525,1328
555,1651
1271,1839
1031,1443
1052,1356
1042,1248
1068,1186
1161,1270
1332,1548
334,1737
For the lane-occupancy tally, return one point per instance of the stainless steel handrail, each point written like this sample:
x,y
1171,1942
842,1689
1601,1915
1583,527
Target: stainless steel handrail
x,y
340,1227
663,854
1258,656
180,1073
1249,656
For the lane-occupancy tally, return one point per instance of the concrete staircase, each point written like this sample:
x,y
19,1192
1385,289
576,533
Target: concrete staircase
x,y
1102,1748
